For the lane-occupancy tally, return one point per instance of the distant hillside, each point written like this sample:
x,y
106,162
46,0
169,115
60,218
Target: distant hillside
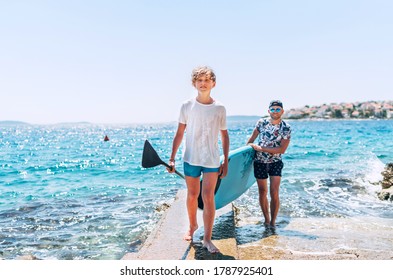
x,y
13,123
241,118
344,110
74,123
25,123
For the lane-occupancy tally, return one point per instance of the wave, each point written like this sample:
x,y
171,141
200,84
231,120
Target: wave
x,y
335,193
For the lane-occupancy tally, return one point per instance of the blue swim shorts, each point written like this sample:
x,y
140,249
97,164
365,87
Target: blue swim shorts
x,y
196,171
262,170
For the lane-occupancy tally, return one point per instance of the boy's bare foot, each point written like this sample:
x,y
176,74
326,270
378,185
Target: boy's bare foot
x,y
190,233
210,247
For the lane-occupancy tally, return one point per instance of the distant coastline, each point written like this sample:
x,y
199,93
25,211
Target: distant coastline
x,y
355,110
333,111
5,123
13,123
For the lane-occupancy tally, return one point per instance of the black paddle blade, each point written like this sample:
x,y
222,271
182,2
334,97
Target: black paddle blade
x,y
150,157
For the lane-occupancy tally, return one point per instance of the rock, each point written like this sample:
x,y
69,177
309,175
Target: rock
x,y
386,194
387,183
27,257
163,207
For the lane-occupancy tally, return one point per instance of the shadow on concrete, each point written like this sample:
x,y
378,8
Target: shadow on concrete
x,y
201,253
223,230
224,227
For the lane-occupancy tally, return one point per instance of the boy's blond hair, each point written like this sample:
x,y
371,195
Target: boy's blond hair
x,y
202,70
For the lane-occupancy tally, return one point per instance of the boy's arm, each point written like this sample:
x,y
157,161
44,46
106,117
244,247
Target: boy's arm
x,y
225,150
175,145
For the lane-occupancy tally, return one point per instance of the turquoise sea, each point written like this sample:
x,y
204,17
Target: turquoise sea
x,y
67,194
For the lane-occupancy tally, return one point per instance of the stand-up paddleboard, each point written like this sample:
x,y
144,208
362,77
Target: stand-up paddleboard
x,y
239,179
240,175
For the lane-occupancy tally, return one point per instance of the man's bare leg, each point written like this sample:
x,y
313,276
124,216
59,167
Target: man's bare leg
x,y
275,198
193,190
263,201
209,209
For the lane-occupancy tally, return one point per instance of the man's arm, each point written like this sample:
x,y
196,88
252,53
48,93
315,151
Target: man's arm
x,y
276,150
253,136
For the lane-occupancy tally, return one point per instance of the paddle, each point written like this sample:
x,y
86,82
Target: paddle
x,y
150,158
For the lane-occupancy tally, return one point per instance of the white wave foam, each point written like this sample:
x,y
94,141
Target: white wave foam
x,y
375,167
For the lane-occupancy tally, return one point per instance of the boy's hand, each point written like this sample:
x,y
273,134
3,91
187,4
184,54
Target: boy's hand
x,y
171,164
223,169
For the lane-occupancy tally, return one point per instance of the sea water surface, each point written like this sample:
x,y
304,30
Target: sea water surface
x,y
67,194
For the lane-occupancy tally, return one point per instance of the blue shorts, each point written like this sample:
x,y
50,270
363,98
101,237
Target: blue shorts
x,y
196,171
262,170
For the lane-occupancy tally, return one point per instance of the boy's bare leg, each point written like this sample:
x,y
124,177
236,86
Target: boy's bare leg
x,y
193,190
209,209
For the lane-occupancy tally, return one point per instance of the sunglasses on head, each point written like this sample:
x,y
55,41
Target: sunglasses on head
x,y
277,110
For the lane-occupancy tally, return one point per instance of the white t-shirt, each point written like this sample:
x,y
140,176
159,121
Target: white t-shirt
x,y
203,124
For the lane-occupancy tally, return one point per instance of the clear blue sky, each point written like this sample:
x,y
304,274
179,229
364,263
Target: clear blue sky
x,y
130,61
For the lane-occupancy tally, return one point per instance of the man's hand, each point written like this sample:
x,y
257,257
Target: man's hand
x,y
256,147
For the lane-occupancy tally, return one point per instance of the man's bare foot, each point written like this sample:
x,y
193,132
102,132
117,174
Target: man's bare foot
x,y
210,247
190,233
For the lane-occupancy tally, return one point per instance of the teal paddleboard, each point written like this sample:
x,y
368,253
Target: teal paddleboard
x,y
239,179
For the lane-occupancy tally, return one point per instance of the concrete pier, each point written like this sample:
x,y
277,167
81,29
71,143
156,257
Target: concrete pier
x,y
166,241
245,238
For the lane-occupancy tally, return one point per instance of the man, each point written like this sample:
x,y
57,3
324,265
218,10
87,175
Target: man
x,y
273,139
